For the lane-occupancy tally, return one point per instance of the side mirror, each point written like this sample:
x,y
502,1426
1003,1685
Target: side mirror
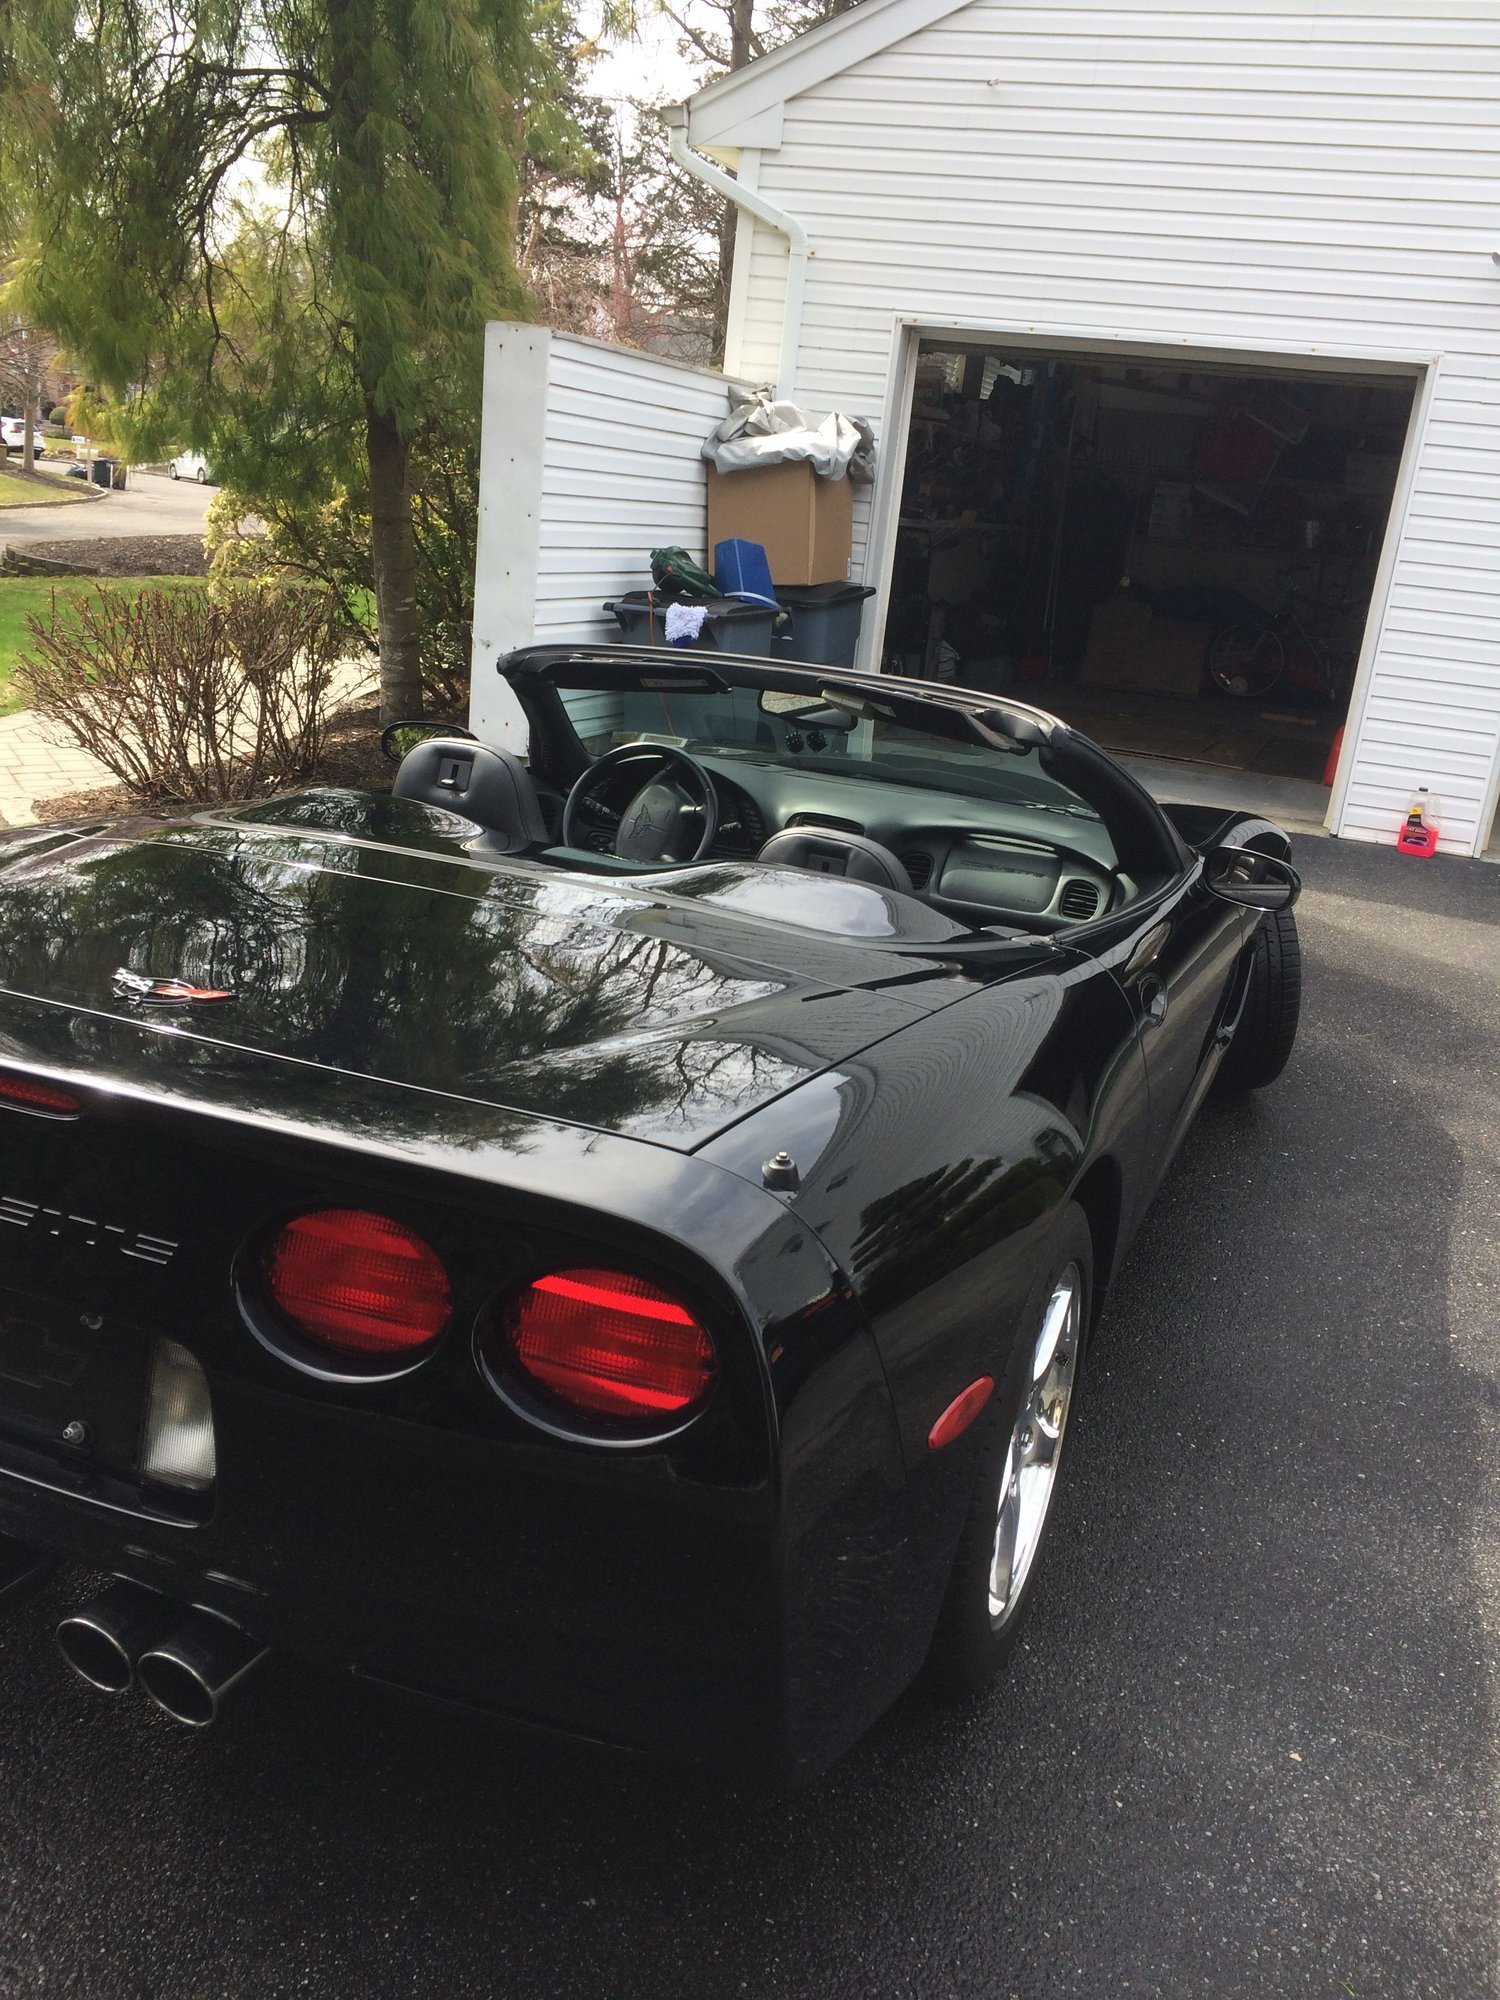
x,y
399,737
1257,881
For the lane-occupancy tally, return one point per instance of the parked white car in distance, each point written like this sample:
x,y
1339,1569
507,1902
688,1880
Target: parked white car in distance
x,y
190,465
13,431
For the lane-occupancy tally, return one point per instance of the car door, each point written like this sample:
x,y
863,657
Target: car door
x,y
1174,955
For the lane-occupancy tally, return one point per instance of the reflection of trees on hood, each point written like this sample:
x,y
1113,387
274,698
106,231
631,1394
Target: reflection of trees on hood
x,y
547,1012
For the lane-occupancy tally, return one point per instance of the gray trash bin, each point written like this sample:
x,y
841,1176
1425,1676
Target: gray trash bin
x,y
729,627
825,622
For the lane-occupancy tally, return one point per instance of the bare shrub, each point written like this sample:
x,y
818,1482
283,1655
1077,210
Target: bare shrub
x,y
186,697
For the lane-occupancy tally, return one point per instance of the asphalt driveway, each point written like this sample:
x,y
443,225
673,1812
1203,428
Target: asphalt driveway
x,y
1249,1748
152,504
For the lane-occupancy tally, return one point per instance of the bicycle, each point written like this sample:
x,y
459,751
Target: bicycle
x,y
1248,658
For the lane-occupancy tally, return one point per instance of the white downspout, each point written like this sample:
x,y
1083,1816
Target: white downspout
x,y
764,211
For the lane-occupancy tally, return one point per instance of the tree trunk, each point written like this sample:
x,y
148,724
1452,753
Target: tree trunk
x,y
393,549
29,389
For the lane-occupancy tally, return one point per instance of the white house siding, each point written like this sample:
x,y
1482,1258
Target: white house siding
x,y
1305,176
590,459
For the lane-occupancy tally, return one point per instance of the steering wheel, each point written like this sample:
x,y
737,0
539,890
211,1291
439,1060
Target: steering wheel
x,y
656,822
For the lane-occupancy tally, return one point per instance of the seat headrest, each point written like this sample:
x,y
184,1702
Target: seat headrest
x,y
489,786
829,852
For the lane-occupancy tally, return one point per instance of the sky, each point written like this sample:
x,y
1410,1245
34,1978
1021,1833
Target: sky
x,y
648,66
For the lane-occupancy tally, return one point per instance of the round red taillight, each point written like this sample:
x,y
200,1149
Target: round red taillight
x,y
357,1283
611,1344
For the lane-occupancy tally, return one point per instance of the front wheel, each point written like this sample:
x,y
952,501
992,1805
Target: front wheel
x,y
171,472
1267,1027
1011,1508
1246,661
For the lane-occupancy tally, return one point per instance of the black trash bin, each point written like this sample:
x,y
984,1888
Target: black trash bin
x,y
104,472
728,626
825,622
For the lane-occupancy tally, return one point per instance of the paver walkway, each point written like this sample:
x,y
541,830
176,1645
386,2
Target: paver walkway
x,y
38,763
34,765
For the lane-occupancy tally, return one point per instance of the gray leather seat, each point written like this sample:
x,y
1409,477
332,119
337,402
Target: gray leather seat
x,y
491,787
828,852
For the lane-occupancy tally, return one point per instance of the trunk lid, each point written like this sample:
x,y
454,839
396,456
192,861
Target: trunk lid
x,y
563,997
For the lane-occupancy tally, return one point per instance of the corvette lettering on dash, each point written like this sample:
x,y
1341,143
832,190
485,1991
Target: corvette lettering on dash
x,y
608,1239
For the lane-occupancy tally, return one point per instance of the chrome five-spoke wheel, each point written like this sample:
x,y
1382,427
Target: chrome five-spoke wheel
x,y
1004,1537
1030,1475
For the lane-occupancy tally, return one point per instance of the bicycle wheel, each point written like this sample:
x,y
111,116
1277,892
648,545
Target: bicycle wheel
x,y
1245,660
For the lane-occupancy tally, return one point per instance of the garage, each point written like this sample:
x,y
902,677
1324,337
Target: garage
x,y
1178,559
1172,324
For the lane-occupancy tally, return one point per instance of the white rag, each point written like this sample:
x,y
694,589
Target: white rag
x,y
684,623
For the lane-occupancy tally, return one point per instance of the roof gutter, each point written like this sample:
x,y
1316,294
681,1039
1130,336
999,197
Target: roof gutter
x,y
765,211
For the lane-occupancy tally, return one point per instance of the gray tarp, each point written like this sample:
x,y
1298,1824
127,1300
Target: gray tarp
x,y
761,431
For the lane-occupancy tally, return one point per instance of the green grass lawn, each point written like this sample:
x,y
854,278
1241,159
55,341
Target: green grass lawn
x,y
39,492
22,597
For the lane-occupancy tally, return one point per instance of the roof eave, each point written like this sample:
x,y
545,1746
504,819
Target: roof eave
x,y
744,108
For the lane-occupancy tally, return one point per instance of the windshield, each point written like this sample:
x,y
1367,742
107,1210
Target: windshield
x,y
894,740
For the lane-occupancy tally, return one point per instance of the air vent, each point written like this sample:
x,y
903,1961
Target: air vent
x,y
1079,900
752,824
918,864
742,827
827,820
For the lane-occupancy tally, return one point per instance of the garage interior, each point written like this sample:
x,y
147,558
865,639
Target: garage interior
x,y
1178,560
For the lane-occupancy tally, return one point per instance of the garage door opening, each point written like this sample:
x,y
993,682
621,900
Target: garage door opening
x,y
1178,560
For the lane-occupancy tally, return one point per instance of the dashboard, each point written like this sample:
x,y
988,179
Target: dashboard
x,y
968,857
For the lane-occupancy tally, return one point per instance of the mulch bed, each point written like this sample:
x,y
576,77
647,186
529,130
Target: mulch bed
x,y
351,756
129,555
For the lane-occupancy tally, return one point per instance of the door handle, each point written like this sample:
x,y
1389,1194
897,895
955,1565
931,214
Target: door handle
x,y
1153,995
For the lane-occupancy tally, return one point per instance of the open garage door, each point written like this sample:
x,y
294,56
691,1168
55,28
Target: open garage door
x,y
1177,559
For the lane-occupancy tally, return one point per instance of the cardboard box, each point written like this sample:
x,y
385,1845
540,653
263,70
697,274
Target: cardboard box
x,y
1129,648
804,524
1175,650
1117,640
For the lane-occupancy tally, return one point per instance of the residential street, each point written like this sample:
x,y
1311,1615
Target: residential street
x,y
152,504
1249,1748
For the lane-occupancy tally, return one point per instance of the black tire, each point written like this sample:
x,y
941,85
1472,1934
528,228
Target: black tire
x,y
1267,1027
971,1644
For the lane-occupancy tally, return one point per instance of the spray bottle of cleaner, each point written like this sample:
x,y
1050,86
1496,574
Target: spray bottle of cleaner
x,y
1419,830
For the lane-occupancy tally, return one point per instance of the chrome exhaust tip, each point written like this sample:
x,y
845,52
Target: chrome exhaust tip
x,y
189,1673
103,1641
22,1570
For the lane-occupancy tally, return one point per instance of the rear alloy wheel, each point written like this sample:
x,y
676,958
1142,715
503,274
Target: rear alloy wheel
x,y
1008,1517
1267,1027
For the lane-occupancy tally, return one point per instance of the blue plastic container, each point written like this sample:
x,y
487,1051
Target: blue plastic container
x,y
741,570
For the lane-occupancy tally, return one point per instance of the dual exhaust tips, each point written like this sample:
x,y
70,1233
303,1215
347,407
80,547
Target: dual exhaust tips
x,y
186,1661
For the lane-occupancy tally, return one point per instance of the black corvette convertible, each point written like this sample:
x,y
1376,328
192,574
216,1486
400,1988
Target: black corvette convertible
x,y
609,1240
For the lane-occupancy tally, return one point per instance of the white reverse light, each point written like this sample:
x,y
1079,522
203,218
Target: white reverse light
x,y
179,1440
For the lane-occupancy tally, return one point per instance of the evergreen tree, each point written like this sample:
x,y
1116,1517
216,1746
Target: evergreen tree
x,y
138,136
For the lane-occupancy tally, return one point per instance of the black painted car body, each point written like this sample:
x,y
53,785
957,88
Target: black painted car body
x,y
538,1067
